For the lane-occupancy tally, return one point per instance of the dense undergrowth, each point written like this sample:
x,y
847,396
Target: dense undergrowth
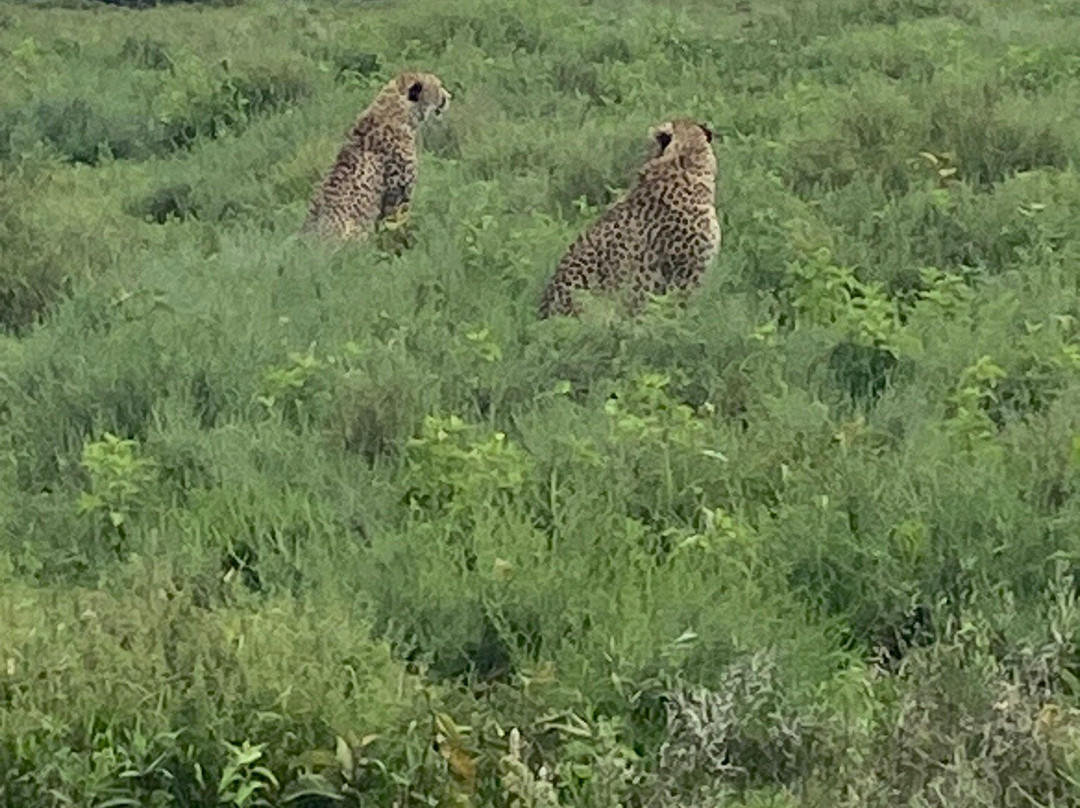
x,y
288,524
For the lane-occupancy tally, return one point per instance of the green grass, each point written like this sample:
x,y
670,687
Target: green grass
x,y
293,524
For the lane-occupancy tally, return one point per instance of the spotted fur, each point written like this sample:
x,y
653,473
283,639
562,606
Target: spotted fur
x,y
659,238
375,171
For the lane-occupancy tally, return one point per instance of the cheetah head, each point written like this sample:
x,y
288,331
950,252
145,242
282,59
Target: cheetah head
x,y
424,95
684,141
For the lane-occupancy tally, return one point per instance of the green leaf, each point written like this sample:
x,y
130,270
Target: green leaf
x,y
1071,681
88,502
312,786
344,756
582,771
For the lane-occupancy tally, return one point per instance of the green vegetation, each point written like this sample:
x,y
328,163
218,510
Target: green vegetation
x,y
283,523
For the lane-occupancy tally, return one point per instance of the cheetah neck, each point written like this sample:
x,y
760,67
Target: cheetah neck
x,y
700,185
387,112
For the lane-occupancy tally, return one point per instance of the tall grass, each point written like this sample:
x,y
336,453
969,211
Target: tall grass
x,y
294,524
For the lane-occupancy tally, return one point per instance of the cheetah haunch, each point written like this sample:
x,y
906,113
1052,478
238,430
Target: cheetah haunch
x,y
375,171
660,237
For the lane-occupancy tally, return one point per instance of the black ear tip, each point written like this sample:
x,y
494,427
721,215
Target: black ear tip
x,y
415,90
708,131
664,139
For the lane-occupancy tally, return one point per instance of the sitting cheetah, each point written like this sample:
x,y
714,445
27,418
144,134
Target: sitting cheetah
x,y
660,237
373,176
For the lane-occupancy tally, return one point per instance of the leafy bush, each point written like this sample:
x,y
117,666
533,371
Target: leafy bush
x,y
219,681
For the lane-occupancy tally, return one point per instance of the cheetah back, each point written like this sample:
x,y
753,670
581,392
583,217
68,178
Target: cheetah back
x,y
350,197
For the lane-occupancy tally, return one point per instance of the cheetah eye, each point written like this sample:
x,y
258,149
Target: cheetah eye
x,y
664,139
414,91
708,132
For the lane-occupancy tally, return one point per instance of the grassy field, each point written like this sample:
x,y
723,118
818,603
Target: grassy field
x,y
289,524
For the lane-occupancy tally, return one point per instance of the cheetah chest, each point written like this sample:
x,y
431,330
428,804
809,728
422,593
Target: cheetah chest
x,y
712,228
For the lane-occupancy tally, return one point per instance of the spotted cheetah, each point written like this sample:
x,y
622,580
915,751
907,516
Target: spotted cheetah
x,y
660,237
375,171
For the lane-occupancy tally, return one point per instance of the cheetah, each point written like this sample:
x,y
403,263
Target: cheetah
x,y
660,237
373,176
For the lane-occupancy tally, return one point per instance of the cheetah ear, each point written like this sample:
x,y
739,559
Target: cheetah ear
x,y
414,91
664,139
708,132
